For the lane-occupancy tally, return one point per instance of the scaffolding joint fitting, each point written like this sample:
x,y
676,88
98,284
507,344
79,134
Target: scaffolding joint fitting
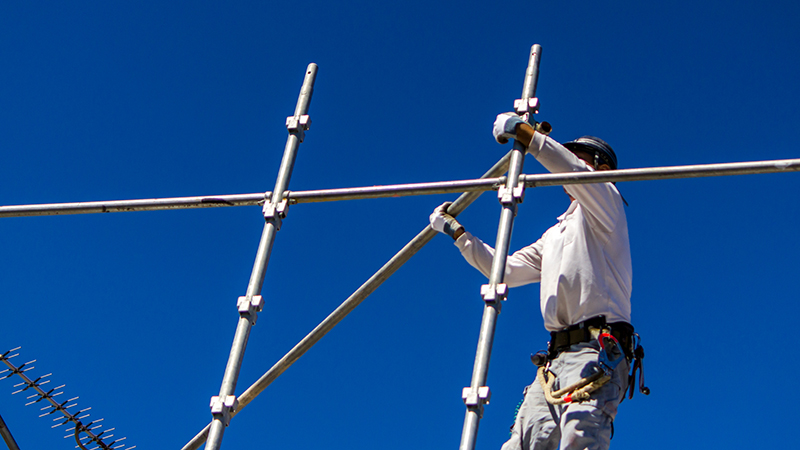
x,y
275,212
511,196
222,408
526,106
478,397
494,293
297,125
250,307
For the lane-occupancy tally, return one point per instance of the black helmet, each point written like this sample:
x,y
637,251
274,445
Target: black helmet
x,y
599,148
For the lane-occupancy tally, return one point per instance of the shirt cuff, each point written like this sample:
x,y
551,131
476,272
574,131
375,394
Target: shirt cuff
x,y
462,240
536,143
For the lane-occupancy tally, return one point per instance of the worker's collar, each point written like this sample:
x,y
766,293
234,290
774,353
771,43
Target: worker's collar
x,y
572,206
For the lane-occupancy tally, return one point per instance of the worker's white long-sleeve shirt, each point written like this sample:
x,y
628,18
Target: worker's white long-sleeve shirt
x,y
583,262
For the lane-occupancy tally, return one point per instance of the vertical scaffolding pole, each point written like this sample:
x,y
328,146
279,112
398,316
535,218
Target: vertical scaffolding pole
x,y
478,394
274,211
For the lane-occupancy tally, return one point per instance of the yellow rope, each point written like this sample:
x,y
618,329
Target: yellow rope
x,y
574,393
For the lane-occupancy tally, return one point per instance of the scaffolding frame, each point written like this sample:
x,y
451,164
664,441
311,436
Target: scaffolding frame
x,y
275,204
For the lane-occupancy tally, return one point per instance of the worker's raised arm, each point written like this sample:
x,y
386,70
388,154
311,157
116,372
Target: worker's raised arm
x,y
601,200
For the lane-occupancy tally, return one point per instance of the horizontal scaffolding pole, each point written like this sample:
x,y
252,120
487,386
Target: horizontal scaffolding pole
x,y
153,204
326,195
395,190
663,173
404,190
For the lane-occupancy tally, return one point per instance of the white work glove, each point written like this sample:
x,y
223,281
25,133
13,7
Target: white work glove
x,y
505,127
445,223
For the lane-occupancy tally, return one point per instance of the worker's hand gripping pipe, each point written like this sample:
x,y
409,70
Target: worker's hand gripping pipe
x,y
477,394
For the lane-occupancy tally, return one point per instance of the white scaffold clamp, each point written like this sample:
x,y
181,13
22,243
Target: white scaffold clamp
x,y
275,213
298,125
528,106
476,398
494,293
250,307
512,196
222,408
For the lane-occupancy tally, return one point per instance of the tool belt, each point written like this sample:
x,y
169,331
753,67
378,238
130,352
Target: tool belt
x,y
587,331
562,340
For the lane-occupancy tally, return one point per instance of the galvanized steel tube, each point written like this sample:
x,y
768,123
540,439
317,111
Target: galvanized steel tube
x,y
491,310
109,206
312,196
663,173
480,370
397,190
242,334
532,73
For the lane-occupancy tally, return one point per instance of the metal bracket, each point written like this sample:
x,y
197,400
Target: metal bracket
x,y
476,398
250,307
531,106
493,293
510,196
297,125
610,353
275,213
222,409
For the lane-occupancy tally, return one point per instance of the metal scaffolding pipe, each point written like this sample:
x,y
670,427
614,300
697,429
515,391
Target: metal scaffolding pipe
x,y
350,303
477,394
154,204
664,173
223,405
313,196
397,190
405,190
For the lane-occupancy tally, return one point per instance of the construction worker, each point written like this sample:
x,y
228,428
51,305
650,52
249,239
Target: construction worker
x,y
583,265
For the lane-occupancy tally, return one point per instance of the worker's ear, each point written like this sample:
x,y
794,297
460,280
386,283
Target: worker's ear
x,y
603,167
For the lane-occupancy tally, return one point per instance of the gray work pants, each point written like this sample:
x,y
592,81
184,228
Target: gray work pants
x,y
542,426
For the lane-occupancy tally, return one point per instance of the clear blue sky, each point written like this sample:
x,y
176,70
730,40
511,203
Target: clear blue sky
x,y
136,312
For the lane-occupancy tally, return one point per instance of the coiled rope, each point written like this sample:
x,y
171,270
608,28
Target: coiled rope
x,y
579,391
